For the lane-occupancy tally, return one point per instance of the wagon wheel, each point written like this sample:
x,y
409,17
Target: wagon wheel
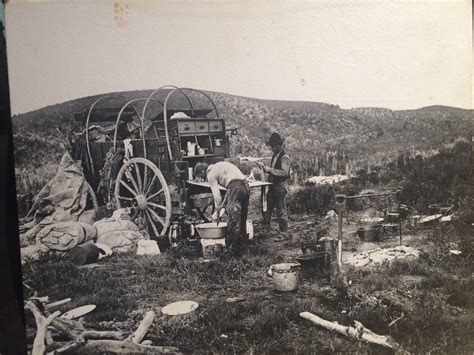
x,y
141,185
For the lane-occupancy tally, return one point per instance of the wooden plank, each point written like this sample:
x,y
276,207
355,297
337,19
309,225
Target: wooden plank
x,y
252,184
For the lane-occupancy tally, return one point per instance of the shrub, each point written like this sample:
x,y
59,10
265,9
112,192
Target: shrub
x,y
437,178
319,199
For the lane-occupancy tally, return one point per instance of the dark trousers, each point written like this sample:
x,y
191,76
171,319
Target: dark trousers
x,y
276,199
238,196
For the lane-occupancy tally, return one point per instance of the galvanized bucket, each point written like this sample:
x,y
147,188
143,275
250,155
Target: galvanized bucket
x,y
286,276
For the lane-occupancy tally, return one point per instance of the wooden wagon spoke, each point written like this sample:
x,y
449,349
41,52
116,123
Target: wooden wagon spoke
x,y
125,198
155,216
152,223
155,194
130,177
134,213
151,197
151,184
128,187
139,177
157,205
145,177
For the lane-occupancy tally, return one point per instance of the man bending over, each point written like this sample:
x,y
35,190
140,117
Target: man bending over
x,y
236,201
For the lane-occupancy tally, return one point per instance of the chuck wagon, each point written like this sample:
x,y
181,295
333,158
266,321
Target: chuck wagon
x,y
144,160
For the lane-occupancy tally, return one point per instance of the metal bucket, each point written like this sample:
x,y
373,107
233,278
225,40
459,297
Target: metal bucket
x,y
286,276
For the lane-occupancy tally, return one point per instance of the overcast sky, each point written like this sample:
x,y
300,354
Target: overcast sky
x,y
394,54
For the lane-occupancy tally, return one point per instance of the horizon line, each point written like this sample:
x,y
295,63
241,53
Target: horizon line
x,y
249,97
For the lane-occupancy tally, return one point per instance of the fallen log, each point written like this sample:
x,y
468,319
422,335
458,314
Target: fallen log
x,y
68,347
68,328
91,341
359,332
102,334
124,347
142,329
42,323
42,299
57,303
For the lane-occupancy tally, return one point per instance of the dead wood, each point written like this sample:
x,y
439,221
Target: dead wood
x,y
42,323
396,320
124,347
359,332
43,299
67,328
105,334
235,299
143,327
68,347
91,341
57,303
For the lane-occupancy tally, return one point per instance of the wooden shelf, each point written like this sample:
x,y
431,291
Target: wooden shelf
x,y
201,156
192,134
252,184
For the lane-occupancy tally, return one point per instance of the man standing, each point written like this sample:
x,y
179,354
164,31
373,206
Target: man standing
x,y
278,173
236,201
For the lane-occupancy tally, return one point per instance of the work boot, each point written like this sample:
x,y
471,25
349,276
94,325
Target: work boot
x,y
266,228
282,237
283,226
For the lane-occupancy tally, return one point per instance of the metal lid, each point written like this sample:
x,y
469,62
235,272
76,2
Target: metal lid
x,y
180,307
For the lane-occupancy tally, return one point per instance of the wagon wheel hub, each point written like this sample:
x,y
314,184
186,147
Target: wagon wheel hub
x,y
141,202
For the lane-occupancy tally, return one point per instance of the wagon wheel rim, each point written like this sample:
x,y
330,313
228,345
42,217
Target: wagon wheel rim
x,y
141,186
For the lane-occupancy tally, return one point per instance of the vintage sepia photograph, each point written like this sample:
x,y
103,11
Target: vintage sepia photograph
x,y
243,177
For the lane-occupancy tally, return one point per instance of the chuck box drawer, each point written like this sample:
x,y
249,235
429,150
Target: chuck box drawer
x,y
186,127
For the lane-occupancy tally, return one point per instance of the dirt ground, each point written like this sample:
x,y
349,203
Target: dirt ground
x,y
423,305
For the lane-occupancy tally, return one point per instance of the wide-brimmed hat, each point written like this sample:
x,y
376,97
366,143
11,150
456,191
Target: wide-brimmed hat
x,y
275,139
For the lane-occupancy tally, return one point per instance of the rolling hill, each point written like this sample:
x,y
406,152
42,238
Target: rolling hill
x,y
314,131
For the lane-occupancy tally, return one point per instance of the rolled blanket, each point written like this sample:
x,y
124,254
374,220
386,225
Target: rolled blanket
x,y
65,235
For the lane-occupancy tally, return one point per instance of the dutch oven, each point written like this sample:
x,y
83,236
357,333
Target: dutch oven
x,y
319,261
370,232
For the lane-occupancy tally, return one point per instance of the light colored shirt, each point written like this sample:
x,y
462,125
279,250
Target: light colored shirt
x,y
221,174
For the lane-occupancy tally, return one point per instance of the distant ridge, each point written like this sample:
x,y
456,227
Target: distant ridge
x,y
310,128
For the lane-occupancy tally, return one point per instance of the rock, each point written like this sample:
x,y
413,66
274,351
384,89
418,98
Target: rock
x,y
446,219
235,299
331,215
379,256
